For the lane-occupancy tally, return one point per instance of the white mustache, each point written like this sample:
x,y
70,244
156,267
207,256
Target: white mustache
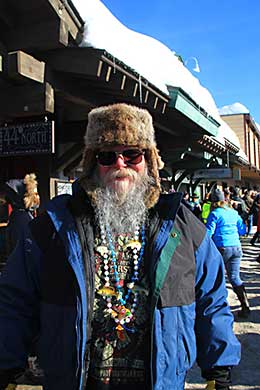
x,y
125,172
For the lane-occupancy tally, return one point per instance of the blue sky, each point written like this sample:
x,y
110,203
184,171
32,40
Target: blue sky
x,y
223,35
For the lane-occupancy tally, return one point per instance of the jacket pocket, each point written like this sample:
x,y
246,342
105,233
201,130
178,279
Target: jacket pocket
x,y
186,340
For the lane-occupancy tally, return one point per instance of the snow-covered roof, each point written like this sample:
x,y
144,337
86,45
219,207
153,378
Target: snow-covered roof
x,y
149,57
235,108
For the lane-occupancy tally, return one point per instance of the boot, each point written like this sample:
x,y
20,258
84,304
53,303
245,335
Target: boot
x,y
241,294
254,238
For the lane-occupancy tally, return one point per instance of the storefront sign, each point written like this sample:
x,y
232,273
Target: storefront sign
x,y
60,187
213,173
27,138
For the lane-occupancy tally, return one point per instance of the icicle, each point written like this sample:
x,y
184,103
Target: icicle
x,y
114,64
140,89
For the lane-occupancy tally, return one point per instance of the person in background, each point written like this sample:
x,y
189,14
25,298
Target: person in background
x,y
249,196
255,208
195,204
227,196
257,233
24,199
186,200
238,203
122,284
225,225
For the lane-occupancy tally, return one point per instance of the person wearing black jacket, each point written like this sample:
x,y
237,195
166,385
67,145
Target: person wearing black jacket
x,y
24,199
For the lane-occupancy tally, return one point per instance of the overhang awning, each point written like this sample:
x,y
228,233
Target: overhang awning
x,y
181,102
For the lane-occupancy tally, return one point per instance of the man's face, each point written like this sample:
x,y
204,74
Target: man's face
x,y
123,173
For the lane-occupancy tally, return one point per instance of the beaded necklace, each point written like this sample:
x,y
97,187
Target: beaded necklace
x,y
119,305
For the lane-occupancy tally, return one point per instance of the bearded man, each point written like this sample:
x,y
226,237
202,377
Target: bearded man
x,y
122,287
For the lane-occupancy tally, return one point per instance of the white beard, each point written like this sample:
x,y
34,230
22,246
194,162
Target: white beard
x,y
122,211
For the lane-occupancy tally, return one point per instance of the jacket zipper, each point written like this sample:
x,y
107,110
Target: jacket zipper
x,y
89,276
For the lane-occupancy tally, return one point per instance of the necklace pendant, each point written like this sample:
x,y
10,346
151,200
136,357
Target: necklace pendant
x,y
133,244
103,250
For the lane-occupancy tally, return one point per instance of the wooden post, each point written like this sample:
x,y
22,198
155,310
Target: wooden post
x,y
27,100
21,65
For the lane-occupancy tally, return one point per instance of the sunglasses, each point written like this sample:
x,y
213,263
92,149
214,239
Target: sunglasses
x,y
130,156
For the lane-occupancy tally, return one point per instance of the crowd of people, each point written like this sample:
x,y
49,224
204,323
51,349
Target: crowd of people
x,y
119,286
245,201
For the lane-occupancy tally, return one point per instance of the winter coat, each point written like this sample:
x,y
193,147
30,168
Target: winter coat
x,y
43,292
225,226
20,216
18,220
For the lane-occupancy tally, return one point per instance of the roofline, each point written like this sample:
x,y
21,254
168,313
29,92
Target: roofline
x,y
72,10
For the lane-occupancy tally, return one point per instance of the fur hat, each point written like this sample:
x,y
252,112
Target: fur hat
x,y
31,197
217,195
121,124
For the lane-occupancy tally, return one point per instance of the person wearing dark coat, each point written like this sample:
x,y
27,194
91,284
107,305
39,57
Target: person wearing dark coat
x,y
23,197
121,284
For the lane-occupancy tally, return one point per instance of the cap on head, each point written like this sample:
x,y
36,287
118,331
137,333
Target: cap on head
x,y
121,124
217,195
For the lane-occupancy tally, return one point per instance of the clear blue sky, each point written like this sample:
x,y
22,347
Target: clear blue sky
x,y
224,35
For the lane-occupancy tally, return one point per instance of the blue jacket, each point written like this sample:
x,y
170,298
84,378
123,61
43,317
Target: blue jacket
x,y
44,293
225,225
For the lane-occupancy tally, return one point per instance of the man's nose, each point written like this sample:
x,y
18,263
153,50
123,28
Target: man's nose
x,y
120,162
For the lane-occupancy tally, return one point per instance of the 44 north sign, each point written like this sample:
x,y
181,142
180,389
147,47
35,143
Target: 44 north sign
x,y
27,138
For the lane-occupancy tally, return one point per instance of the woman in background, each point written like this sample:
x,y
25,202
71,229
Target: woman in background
x,y
225,225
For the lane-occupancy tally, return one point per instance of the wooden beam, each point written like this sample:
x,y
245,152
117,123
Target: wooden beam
x,y
79,61
40,36
60,8
69,156
21,65
27,100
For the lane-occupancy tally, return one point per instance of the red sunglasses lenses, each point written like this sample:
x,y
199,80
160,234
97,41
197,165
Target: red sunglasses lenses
x,y
130,156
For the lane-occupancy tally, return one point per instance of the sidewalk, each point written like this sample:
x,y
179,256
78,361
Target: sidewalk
x,y
247,375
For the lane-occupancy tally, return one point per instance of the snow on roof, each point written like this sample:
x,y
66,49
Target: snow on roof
x,y
149,57
235,108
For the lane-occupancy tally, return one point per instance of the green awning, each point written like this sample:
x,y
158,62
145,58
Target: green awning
x,y
181,102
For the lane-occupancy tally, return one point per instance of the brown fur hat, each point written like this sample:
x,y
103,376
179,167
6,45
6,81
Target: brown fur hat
x,y
121,124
